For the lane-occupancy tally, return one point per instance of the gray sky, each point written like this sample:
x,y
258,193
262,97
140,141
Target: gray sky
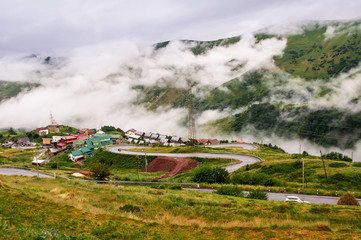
x,y
45,26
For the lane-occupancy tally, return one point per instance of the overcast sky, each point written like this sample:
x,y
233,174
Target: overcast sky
x,y
56,25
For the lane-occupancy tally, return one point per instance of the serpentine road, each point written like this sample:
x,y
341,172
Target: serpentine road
x,y
244,159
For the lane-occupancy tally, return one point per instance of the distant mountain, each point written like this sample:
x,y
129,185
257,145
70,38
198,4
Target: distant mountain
x,y
320,54
299,85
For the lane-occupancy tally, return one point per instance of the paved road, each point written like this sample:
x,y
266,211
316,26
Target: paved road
x,y
245,159
21,172
282,196
247,146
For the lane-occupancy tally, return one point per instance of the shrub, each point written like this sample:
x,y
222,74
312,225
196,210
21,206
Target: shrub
x,y
255,179
100,171
175,187
337,165
337,156
231,191
348,199
130,208
357,164
1,184
257,194
211,175
241,178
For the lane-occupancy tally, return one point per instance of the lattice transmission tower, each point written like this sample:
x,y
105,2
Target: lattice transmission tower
x,y
191,121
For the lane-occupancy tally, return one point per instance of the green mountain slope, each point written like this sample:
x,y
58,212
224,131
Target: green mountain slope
x,y
311,55
12,89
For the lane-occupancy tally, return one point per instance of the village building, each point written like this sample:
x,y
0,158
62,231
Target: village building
x,y
91,145
8,143
212,141
147,135
84,131
47,141
154,136
140,133
42,131
66,141
83,152
23,141
131,132
54,127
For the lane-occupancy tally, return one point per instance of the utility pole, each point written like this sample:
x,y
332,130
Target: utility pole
x,y
146,164
303,174
323,162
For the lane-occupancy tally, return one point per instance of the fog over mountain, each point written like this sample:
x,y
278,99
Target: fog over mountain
x,y
295,71
93,85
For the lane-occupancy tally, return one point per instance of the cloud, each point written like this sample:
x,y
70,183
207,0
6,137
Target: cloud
x,y
93,85
44,26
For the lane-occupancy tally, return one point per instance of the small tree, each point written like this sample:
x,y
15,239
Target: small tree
x,y
100,171
257,194
211,175
348,199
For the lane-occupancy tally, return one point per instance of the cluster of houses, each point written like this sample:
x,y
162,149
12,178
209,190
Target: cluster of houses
x,y
20,142
83,144
140,138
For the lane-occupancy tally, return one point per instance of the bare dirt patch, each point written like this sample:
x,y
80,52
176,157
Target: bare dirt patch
x,y
86,173
172,165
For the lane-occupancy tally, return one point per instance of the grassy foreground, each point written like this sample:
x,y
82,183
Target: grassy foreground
x,y
33,208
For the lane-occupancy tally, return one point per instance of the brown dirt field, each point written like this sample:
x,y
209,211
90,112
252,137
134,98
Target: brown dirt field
x,y
172,165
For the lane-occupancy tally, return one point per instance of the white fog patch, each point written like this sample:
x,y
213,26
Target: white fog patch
x,y
177,64
19,68
211,115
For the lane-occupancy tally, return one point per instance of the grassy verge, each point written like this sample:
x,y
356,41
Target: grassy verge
x,y
39,208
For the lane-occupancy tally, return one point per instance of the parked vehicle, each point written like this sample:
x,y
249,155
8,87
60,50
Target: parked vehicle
x,y
294,199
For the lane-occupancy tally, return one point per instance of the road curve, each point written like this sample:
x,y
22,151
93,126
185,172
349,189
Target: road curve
x,y
245,159
21,172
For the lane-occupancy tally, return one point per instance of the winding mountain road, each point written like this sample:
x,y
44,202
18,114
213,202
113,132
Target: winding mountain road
x,y
244,159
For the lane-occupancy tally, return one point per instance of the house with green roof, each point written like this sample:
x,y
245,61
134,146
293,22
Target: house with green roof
x,y
91,145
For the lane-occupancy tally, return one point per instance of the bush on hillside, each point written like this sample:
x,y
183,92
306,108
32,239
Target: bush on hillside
x,y
255,179
337,156
100,171
337,165
257,194
211,175
348,199
357,164
230,191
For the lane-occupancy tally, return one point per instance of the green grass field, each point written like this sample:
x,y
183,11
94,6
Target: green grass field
x,y
33,208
